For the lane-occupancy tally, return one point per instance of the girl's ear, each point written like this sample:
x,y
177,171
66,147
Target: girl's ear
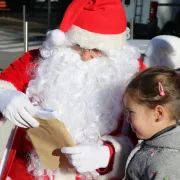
x,y
159,113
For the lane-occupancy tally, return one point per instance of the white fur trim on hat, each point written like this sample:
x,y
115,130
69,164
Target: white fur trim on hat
x,y
54,39
163,51
123,147
7,85
90,40
57,37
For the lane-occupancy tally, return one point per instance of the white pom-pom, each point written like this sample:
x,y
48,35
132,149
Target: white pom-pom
x,y
45,53
57,37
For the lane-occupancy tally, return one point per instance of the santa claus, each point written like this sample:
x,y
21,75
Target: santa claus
x,y
81,72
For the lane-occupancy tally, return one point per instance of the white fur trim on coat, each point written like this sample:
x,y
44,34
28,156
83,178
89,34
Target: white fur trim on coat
x,y
123,147
90,40
65,174
7,85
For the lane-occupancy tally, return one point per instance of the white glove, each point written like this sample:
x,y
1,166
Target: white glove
x,y
87,158
16,107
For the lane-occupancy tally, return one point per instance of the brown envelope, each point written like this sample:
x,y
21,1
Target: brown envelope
x,y
48,139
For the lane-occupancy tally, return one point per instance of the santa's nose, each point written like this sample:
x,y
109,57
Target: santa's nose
x,y
87,54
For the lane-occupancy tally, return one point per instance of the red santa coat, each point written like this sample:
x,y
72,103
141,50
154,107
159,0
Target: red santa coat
x,y
17,76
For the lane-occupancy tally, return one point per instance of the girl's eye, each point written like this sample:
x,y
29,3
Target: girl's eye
x,y
128,115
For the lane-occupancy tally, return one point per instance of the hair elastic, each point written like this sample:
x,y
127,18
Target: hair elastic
x,y
161,89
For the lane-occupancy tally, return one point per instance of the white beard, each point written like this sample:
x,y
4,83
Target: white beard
x,y
87,95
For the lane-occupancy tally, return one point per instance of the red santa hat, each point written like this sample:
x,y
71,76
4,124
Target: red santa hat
x,y
92,24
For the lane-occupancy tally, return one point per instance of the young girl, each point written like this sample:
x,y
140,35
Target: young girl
x,y
152,102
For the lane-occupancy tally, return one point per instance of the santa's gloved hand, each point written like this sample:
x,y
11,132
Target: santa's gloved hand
x,y
87,158
16,107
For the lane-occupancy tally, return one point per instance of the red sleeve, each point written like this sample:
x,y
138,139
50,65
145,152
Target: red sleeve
x,y
17,72
142,66
103,171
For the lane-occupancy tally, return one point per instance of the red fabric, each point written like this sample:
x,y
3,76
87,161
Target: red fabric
x,y
103,16
16,164
17,73
18,170
142,66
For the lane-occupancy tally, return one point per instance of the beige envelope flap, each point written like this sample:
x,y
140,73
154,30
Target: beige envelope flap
x,y
48,139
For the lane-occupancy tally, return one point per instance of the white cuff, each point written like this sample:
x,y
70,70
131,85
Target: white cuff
x,y
7,85
123,147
